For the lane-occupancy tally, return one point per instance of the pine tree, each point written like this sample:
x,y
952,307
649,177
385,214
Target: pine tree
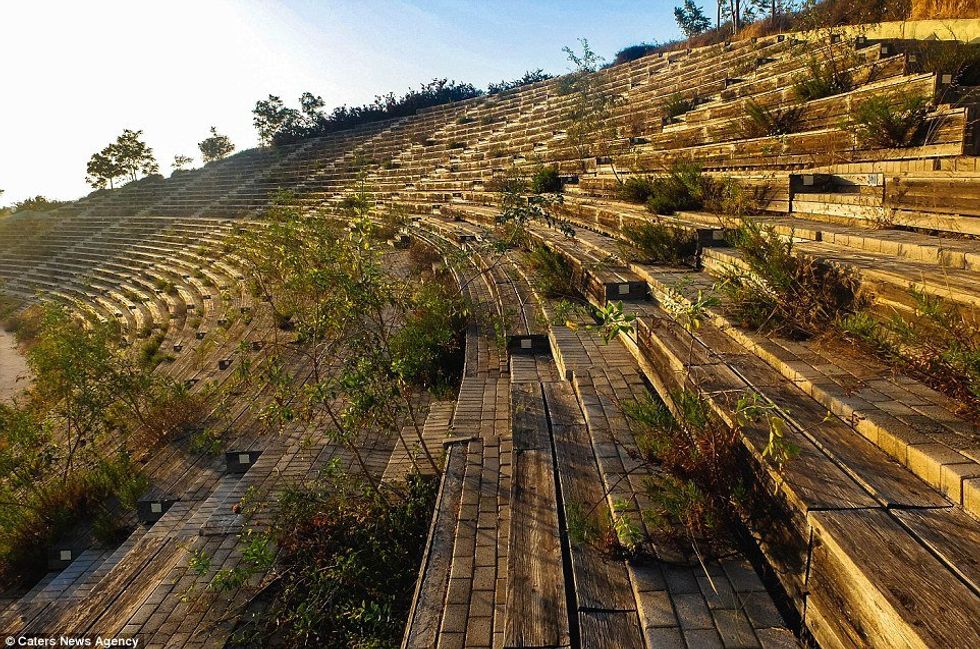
x,y
691,19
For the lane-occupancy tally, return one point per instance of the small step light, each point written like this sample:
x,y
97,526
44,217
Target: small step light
x,y
241,461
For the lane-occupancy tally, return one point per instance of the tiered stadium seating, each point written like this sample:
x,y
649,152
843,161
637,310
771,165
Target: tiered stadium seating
x,y
874,536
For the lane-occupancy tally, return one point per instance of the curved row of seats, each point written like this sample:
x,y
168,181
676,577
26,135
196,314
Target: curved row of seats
x,y
894,444
148,588
886,463
538,434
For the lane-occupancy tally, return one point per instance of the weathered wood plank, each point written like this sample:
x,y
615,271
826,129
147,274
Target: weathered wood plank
x,y
536,611
423,626
869,466
607,629
952,534
871,587
600,582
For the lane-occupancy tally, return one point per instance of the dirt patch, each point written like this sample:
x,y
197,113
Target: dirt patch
x,y
14,373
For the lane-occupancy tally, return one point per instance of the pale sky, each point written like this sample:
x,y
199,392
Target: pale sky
x,y
75,73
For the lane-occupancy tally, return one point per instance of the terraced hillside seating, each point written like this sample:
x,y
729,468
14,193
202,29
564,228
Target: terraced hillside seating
x,y
868,458
148,587
557,460
841,466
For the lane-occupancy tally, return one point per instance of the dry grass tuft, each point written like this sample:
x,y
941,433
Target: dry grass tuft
x,y
931,9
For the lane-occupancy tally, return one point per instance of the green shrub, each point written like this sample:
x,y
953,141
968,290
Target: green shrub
x,y
684,187
110,528
553,272
883,122
822,79
781,291
175,413
422,256
347,566
692,497
520,205
660,243
636,189
283,321
529,77
426,349
566,85
8,307
960,60
465,119
669,198
634,52
546,180
149,353
205,442
354,202
121,478
698,494
675,105
26,325
728,197
766,122
97,496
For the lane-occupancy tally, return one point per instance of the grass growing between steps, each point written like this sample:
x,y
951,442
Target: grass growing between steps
x,y
552,273
87,504
783,292
825,78
675,105
760,121
699,493
882,122
692,493
938,345
660,243
960,60
683,187
345,565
